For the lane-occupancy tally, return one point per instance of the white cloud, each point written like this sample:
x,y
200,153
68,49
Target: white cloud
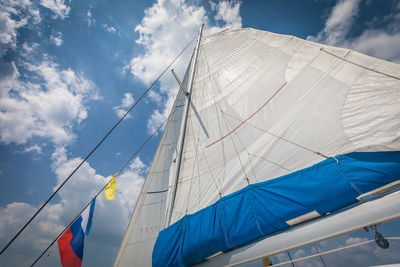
x,y
160,115
86,183
126,103
48,107
228,14
378,42
28,50
339,22
34,148
156,97
355,240
363,255
37,236
60,9
56,39
305,263
59,156
162,39
15,14
109,28
8,33
73,197
138,166
90,20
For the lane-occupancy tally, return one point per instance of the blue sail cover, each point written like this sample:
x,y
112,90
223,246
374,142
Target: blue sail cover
x,y
264,208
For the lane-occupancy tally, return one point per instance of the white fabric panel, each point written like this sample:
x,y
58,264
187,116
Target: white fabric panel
x,y
85,218
149,215
275,100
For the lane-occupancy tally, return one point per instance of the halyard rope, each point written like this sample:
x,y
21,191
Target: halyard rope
x,y
361,66
243,122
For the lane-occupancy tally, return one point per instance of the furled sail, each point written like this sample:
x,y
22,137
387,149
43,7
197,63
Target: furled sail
x,y
274,122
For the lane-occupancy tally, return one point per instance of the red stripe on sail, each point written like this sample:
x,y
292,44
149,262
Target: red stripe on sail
x,y
243,122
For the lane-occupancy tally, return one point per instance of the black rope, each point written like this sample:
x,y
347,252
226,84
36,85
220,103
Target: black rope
x,y
323,262
93,150
290,258
126,163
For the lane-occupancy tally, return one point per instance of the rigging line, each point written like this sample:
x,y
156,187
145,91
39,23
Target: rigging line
x,y
182,129
165,165
217,113
212,175
282,138
224,59
165,152
199,188
202,151
320,256
248,154
51,250
240,84
234,145
290,257
302,97
361,66
98,193
147,140
243,122
195,142
345,177
334,250
251,164
93,150
194,165
281,166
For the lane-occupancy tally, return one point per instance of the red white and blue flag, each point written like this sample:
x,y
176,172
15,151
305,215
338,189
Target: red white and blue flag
x,y
70,243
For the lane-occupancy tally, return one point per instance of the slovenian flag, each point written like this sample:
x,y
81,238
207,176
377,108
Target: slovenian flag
x,y
70,243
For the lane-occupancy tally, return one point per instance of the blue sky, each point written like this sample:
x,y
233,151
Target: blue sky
x,y
69,69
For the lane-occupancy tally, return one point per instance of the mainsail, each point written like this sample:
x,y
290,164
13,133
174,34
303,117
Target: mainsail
x,y
265,108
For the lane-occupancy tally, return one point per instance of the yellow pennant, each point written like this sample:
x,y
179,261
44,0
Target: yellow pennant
x,y
111,188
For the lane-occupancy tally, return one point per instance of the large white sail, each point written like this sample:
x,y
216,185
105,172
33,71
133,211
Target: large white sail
x,y
264,103
263,106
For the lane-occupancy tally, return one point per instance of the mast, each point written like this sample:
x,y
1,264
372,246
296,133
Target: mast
x,y
183,129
